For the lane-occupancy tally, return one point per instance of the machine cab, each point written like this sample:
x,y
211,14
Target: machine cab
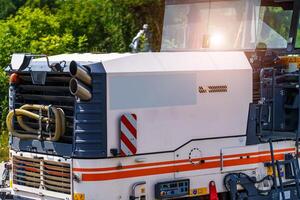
x,y
230,25
267,31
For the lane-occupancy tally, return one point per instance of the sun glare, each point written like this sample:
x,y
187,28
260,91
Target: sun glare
x,y
216,40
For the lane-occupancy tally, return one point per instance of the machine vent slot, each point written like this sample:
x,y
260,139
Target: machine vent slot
x,y
213,89
56,177
26,172
54,92
203,89
41,174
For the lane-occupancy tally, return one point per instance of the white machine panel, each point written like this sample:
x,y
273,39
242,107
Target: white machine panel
x,y
178,97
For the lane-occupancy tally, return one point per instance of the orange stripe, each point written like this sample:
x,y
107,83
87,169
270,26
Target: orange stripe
x,y
31,169
257,153
175,161
230,163
58,174
173,169
147,172
142,165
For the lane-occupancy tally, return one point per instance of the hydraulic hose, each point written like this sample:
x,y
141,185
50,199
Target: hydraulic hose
x,y
26,110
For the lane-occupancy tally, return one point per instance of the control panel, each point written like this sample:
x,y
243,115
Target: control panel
x,y
171,189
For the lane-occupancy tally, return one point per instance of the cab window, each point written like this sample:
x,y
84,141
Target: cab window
x,y
297,45
226,24
274,27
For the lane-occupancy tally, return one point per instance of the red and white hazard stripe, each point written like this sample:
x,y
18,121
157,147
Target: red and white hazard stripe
x,y
128,143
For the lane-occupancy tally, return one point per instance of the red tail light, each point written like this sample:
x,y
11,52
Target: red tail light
x,y
14,79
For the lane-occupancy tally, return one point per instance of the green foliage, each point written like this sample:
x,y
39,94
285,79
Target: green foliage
x,y
7,7
3,113
3,146
4,99
110,25
297,45
35,31
62,26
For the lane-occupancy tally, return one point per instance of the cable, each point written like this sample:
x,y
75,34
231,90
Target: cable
x,y
26,110
239,175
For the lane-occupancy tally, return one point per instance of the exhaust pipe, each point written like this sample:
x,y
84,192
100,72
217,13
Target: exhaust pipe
x,y
80,90
80,72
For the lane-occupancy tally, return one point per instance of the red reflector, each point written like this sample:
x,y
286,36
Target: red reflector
x,y
14,78
213,194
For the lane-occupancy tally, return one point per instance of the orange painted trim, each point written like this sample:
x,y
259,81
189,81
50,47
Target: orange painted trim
x,y
258,153
176,168
148,172
175,161
247,161
142,165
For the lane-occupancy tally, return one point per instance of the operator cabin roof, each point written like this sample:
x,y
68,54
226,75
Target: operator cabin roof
x,y
163,61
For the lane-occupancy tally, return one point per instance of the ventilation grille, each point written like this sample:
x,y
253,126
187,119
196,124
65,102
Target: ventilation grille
x,y
41,174
26,172
54,92
213,89
57,176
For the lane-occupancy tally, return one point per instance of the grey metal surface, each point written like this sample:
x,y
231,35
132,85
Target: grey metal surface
x,y
155,90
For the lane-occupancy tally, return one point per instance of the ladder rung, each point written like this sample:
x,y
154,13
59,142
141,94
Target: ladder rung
x,y
285,162
289,182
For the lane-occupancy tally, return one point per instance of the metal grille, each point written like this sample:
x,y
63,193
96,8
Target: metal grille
x,y
54,92
42,174
56,176
26,172
213,89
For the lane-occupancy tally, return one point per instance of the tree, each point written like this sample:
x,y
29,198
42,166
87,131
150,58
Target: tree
x,y
3,111
110,25
35,31
298,36
9,7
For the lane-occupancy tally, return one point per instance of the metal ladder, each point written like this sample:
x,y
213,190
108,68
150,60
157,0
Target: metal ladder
x,y
290,160
293,164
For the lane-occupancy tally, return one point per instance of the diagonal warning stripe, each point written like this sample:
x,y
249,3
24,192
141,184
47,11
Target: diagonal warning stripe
x,y
130,126
128,144
128,136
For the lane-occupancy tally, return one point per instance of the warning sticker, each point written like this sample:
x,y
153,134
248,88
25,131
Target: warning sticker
x,y
79,196
198,191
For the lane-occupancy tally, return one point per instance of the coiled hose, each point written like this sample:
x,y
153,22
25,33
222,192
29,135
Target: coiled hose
x,y
239,175
26,110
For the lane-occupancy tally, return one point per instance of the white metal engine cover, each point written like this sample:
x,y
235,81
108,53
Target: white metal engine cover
x,y
178,97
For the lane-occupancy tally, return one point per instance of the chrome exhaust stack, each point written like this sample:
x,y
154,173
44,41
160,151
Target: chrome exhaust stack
x,y
81,73
80,90
80,84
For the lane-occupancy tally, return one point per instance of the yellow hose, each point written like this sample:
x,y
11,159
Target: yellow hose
x,y
25,110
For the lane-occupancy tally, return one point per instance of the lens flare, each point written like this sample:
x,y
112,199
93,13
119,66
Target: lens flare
x,y
216,40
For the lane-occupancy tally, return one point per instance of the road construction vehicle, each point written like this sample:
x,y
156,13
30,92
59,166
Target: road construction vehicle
x,y
214,115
